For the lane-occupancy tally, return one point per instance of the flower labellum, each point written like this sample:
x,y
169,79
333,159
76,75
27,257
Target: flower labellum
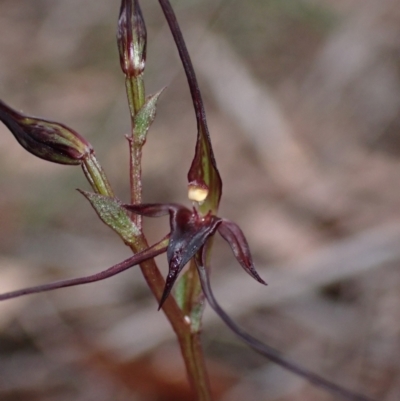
x,y
48,140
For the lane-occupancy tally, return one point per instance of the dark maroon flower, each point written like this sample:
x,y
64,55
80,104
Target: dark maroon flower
x,y
189,233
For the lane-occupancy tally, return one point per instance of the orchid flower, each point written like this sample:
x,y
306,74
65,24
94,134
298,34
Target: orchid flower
x,y
190,228
189,234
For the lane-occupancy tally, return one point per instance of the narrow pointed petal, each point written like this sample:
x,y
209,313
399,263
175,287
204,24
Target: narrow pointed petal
x,y
203,176
234,236
188,235
264,349
189,232
155,209
174,270
48,140
136,259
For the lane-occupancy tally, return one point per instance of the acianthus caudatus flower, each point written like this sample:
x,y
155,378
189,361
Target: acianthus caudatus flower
x,y
188,237
190,228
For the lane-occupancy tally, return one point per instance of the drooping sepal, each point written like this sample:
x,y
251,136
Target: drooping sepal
x,y
114,215
154,209
234,236
131,38
48,140
264,349
148,253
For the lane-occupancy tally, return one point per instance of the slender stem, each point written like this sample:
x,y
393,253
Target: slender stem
x,y
96,176
136,93
192,352
135,150
192,345
136,98
156,283
189,341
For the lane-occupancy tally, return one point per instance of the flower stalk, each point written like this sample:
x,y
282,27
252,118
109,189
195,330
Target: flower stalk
x,y
96,176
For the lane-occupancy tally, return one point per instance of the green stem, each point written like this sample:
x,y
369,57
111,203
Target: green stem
x,y
192,352
135,151
136,98
189,340
96,176
135,92
193,307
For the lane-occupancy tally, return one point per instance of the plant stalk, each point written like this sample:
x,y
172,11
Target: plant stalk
x,y
189,341
135,91
96,176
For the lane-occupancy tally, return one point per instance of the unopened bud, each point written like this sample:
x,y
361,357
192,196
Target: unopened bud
x,y
48,140
131,38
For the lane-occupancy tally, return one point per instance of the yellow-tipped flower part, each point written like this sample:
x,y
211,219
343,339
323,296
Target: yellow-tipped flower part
x,y
197,194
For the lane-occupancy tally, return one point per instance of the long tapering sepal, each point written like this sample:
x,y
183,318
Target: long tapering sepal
x,y
134,260
264,349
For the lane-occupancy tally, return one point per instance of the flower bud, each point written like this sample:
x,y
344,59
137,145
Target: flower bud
x,y
131,38
48,140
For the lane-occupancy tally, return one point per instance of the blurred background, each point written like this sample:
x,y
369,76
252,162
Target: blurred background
x,y
303,104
